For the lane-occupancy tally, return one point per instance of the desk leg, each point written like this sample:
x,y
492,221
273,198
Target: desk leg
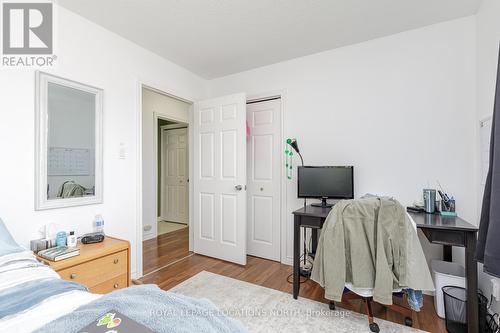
x,y
314,240
471,274
447,253
296,256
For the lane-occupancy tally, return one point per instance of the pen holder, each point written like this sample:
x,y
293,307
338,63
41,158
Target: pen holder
x,y
448,208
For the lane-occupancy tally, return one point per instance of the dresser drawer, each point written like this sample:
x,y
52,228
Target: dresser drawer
x,y
97,271
110,285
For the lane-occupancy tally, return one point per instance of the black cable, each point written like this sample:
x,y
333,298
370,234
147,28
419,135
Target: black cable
x,y
302,278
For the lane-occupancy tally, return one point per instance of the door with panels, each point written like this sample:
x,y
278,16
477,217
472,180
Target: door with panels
x,y
174,175
264,170
219,178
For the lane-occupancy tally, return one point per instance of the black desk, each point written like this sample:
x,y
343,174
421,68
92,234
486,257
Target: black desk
x,y
308,217
448,231
454,231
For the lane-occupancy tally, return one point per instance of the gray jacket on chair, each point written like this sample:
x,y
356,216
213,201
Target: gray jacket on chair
x,y
367,243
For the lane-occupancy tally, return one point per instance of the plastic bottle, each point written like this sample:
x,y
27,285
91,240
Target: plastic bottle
x,y
71,239
98,223
61,238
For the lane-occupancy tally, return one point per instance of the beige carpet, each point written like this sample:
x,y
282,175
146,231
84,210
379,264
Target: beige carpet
x,y
164,227
267,310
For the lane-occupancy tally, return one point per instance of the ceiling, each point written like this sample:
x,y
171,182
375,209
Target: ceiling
x,y
214,38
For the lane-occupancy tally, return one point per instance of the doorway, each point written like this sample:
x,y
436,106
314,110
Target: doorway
x,y
230,215
165,164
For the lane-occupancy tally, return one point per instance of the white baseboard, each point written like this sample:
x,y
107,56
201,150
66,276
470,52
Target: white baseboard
x,y
287,261
160,219
147,236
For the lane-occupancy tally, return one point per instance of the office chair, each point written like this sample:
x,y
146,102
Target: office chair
x,y
349,295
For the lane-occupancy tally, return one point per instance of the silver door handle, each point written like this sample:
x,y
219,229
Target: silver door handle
x,y
238,187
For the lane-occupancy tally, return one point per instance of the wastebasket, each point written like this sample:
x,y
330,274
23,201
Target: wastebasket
x,y
455,308
445,273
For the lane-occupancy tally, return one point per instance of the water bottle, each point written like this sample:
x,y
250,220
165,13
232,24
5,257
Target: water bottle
x,y
429,200
98,224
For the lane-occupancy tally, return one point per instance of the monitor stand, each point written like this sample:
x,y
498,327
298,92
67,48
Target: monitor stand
x,y
323,204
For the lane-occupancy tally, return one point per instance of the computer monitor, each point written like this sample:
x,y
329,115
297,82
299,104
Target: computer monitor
x,y
325,182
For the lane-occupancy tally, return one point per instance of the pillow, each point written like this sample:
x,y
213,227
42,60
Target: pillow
x,y
7,244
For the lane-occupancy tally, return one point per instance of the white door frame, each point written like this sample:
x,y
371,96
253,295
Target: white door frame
x,y
139,227
288,260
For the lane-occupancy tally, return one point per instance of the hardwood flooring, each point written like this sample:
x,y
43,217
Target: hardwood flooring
x,y
273,275
165,249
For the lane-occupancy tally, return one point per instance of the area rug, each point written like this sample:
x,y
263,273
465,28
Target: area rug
x,y
262,309
164,227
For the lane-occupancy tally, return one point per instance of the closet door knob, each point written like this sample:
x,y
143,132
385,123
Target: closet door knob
x,y
238,187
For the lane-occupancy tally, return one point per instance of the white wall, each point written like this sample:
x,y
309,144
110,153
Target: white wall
x,y
89,54
488,40
399,108
170,108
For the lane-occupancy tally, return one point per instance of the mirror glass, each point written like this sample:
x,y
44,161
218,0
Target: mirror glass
x,y
68,151
71,146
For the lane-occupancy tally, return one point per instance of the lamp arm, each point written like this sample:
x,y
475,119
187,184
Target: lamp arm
x,y
302,162
301,159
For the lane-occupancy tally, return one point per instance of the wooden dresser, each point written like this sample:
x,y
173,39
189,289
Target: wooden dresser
x,y
101,267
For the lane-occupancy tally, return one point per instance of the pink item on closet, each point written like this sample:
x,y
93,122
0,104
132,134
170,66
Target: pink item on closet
x,y
248,131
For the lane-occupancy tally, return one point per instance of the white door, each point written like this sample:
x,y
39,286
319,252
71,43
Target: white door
x,y
174,175
219,183
263,167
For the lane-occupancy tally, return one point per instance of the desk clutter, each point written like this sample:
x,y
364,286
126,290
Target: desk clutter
x,y
432,205
58,245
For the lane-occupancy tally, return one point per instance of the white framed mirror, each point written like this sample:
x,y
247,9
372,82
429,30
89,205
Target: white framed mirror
x,y
68,143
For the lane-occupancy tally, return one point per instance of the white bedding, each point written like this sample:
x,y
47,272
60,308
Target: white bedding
x,y
22,267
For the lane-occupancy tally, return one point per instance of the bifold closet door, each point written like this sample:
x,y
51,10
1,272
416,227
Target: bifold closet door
x,y
263,168
219,195
174,175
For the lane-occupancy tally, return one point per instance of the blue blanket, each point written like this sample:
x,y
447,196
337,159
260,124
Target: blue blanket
x,y
26,295
152,307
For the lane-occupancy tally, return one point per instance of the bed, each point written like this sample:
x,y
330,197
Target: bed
x,y
33,298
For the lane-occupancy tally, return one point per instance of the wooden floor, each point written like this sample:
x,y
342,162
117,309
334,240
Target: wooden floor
x,y
273,275
165,249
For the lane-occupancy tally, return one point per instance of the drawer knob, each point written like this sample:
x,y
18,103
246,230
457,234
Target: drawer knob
x,y
115,261
115,286
72,276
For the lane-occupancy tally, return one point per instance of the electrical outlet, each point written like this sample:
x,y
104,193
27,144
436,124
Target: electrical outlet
x,y
495,289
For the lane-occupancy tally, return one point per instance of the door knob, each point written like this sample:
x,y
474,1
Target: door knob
x,y
238,187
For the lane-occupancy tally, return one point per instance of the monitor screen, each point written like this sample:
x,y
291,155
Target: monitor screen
x,y
335,182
